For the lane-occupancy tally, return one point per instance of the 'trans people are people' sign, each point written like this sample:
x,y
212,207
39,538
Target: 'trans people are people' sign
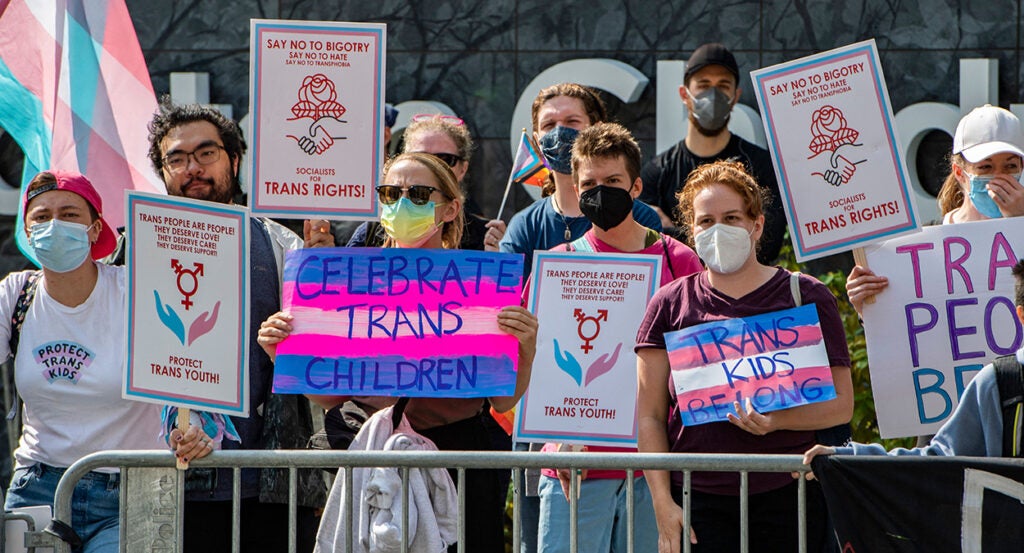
x,y
398,322
776,360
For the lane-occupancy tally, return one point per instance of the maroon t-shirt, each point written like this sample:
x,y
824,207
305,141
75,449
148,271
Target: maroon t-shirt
x,y
690,301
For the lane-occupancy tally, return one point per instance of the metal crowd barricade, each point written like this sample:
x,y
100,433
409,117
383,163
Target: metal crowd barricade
x,y
150,486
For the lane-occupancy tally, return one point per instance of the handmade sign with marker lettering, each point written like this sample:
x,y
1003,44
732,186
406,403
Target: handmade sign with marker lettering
x,y
398,322
776,360
583,386
948,310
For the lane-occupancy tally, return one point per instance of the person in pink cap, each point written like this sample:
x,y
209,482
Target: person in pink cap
x,y
64,325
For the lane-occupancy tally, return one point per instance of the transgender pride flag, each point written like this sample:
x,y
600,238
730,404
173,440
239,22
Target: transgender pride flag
x,y
75,94
776,360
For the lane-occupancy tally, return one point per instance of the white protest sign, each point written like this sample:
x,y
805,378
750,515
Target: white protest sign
x,y
316,92
948,311
188,301
583,386
830,132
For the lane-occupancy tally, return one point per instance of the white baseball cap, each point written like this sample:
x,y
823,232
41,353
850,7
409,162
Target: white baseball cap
x,y
986,131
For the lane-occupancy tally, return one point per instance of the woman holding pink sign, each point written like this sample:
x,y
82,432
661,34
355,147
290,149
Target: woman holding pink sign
x,y
724,209
422,208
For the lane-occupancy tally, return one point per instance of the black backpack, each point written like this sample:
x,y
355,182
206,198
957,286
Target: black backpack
x,y
1010,379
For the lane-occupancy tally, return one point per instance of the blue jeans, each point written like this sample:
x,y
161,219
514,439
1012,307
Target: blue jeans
x,y
94,504
601,517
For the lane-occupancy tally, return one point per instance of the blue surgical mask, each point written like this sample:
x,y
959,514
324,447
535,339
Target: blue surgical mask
x,y
556,145
60,246
980,198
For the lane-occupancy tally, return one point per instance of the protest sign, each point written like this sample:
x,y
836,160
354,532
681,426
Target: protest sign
x,y
188,303
776,360
316,100
830,131
947,311
398,322
583,386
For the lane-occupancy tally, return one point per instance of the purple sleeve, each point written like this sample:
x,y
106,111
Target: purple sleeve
x,y
832,329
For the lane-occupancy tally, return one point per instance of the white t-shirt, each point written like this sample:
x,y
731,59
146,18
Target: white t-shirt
x,y
68,370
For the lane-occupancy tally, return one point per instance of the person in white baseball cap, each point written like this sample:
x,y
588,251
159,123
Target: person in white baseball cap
x,y
983,182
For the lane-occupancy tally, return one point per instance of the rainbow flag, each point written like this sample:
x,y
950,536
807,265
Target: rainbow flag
x,y
529,166
75,94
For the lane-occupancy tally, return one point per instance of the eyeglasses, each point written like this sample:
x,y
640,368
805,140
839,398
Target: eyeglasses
x,y
451,159
446,118
204,155
418,194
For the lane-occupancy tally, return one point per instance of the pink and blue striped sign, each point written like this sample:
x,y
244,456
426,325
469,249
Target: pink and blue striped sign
x,y
398,322
777,360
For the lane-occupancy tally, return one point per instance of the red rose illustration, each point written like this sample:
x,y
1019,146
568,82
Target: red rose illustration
x,y
317,98
828,125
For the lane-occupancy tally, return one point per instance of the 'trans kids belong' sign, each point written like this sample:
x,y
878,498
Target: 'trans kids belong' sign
x,y
398,322
829,125
948,311
583,387
777,360
317,103
188,299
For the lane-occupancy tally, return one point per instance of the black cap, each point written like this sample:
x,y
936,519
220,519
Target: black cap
x,y
714,53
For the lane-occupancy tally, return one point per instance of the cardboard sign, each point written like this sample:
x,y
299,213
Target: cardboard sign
x,y
583,386
947,312
777,360
188,303
830,131
316,96
398,322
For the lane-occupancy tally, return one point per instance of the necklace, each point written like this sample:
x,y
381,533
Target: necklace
x,y
554,204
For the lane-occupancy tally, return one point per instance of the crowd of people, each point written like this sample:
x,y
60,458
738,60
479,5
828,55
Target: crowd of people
x,y
710,207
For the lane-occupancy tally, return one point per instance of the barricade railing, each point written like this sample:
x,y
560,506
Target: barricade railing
x,y
150,486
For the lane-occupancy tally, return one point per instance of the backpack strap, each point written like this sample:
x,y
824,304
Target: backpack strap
x,y
794,288
1010,380
668,258
28,292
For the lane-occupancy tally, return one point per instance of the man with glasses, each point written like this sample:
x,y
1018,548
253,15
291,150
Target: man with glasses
x,y
197,151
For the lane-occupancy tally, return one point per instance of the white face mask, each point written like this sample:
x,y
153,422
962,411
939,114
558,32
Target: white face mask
x,y
724,248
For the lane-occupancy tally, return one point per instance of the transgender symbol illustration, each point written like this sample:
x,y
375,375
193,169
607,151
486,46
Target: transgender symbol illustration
x,y
187,284
828,126
588,328
318,100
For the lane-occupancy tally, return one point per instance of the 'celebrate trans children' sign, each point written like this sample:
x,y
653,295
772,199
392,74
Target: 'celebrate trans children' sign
x,y
398,322
776,360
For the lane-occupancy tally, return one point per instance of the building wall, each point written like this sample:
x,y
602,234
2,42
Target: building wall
x,y
477,56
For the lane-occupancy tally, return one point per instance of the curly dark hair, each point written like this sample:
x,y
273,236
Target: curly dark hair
x,y
170,116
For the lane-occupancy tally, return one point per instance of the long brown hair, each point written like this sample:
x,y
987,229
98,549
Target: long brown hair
x,y
451,231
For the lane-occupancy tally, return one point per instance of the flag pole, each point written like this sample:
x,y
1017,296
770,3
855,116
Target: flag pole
x,y
508,185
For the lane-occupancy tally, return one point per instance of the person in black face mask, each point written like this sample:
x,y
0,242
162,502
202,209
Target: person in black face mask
x,y
710,91
605,166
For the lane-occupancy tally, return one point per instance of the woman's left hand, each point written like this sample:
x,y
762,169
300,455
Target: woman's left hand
x,y
192,444
522,324
317,234
750,420
1008,195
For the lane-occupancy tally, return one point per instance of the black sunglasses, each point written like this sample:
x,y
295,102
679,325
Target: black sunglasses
x,y
450,159
419,194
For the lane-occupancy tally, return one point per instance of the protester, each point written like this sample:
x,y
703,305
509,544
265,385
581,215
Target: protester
x,y
390,118
69,358
197,151
559,113
606,176
977,427
451,423
983,183
448,138
710,92
723,207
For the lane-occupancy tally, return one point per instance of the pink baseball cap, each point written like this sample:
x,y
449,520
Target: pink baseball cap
x,y
77,183
987,131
